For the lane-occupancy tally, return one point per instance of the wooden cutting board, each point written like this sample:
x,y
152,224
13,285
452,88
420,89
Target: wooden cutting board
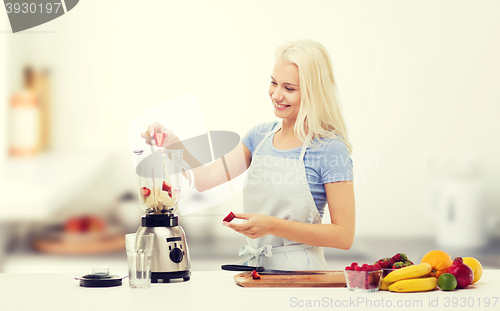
x,y
328,279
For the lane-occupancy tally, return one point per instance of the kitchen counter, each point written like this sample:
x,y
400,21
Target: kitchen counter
x,y
217,290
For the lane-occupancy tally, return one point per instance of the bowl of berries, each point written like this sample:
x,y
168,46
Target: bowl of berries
x,y
389,264
364,278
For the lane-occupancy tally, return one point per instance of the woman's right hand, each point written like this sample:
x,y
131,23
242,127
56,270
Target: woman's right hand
x,y
169,137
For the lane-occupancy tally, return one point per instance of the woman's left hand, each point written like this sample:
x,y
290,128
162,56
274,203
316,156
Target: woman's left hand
x,y
256,226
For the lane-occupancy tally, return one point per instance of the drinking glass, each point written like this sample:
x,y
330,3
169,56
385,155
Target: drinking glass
x,y
139,253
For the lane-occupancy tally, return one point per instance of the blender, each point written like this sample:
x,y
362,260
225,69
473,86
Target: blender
x,y
161,179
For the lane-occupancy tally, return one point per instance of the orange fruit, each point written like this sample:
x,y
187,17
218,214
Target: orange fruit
x,y
439,261
476,267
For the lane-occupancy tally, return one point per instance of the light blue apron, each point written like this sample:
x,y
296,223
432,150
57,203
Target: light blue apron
x,y
278,187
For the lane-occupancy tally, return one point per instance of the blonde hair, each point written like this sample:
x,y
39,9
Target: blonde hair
x,y
320,113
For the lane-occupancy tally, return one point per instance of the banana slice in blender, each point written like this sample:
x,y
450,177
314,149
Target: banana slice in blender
x,y
150,202
165,199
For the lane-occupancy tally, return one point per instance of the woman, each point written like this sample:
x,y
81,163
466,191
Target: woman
x,y
295,167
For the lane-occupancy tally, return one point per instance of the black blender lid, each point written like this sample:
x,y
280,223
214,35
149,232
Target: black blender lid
x,y
100,278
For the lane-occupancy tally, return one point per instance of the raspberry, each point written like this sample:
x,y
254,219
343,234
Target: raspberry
x,y
358,268
354,264
349,268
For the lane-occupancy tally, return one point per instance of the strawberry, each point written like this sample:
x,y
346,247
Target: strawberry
x,y
145,191
400,257
159,137
229,217
401,264
166,186
255,275
385,262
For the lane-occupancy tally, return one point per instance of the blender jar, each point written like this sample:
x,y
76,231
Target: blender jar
x,y
160,174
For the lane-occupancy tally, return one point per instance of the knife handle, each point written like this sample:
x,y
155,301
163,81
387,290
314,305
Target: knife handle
x,y
241,268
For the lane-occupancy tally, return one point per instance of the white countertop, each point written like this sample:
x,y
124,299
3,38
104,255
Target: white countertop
x,y
217,290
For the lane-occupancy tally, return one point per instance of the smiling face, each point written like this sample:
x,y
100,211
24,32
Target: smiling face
x,y
285,90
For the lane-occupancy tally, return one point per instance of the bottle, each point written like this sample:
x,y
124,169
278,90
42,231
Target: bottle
x,y
24,121
42,89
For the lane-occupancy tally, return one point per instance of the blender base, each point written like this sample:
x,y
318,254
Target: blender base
x,y
165,277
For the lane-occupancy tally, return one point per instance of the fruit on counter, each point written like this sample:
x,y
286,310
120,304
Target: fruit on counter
x,y
84,224
383,285
462,272
400,257
255,275
365,277
386,271
385,262
94,224
476,267
388,263
74,225
402,264
145,191
229,217
409,272
439,261
365,267
447,281
159,138
414,284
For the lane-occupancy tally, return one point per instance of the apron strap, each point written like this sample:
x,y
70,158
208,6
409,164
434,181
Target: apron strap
x,y
251,255
304,147
275,129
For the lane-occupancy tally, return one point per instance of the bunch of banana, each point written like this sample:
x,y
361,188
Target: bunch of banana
x,y
411,279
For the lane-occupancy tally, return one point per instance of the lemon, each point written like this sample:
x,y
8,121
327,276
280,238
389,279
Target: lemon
x,y
476,267
447,281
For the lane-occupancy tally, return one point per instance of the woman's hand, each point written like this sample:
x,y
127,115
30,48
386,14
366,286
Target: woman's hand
x,y
256,225
162,133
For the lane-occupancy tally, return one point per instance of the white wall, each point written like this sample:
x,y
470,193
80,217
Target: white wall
x,y
3,92
418,79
